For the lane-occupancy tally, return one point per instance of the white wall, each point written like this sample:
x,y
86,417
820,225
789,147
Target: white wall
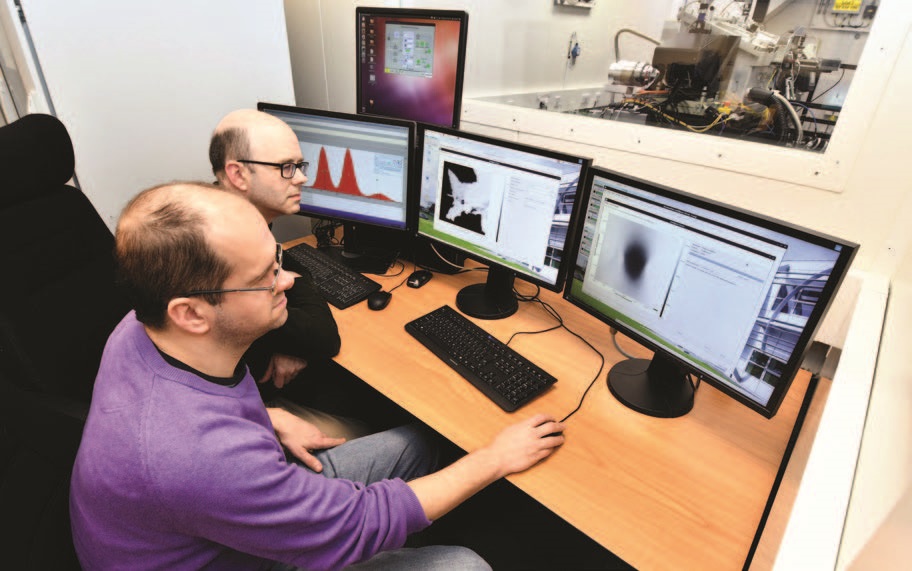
x,y
141,85
868,201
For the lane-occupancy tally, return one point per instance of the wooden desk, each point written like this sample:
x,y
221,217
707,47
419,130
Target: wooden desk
x,y
685,493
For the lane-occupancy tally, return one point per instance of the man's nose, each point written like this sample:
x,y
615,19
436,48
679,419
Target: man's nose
x,y
285,281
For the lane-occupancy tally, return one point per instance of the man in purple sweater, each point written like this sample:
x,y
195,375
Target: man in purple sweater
x,y
180,467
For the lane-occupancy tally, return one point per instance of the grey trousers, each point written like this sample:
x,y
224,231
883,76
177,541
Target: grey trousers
x,y
405,452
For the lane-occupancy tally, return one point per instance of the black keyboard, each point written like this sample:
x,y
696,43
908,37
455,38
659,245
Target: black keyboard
x,y
502,374
339,285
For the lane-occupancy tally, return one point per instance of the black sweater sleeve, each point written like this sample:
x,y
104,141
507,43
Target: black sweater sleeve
x,y
310,333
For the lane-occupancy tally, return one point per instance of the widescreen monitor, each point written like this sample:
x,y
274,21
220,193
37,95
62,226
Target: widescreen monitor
x,y
505,204
359,174
730,296
410,63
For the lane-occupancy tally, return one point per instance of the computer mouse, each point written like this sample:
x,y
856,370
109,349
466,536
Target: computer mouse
x,y
378,300
419,278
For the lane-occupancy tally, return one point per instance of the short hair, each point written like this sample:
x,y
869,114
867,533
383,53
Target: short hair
x,y
227,144
161,251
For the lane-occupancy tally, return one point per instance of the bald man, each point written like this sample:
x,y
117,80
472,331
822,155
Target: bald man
x,y
257,156
180,465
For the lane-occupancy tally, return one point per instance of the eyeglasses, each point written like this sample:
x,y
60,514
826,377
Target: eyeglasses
x,y
288,169
275,280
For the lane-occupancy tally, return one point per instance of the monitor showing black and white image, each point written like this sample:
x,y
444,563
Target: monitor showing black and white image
x,y
505,204
729,295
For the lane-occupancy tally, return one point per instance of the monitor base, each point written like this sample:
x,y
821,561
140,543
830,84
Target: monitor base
x,y
476,301
370,263
657,387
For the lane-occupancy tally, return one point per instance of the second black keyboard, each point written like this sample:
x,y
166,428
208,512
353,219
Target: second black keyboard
x,y
502,374
338,284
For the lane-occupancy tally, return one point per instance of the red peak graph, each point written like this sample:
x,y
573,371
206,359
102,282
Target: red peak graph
x,y
348,181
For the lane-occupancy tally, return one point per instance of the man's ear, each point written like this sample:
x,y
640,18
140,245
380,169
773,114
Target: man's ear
x,y
237,175
191,315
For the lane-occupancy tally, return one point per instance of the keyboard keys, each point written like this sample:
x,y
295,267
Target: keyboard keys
x,y
502,374
338,284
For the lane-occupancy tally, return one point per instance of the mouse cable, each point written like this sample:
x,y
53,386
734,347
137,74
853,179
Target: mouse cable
x,y
397,286
553,312
400,269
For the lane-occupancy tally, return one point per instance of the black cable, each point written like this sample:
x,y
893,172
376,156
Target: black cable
x,y
510,340
325,233
829,88
399,273
522,297
553,313
402,269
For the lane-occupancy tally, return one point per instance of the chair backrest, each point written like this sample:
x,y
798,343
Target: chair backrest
x,y
58,298
39,437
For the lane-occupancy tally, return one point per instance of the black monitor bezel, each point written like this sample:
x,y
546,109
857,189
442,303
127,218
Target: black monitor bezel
x,y
431,14
840,269
411,193
586,164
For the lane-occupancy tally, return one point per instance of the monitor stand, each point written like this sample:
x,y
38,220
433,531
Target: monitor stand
x,y
657,387
366,250
374,262
493,299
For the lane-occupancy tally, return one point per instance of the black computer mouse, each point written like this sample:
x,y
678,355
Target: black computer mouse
x,y
419,278
378,300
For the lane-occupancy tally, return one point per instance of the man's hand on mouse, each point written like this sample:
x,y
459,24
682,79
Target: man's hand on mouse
x,y
524,444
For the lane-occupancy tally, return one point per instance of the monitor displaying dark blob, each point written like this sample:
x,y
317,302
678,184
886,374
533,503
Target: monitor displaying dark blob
x,y
728,295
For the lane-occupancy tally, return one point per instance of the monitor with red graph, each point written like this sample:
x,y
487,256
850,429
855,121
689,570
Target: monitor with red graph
x,y
359,165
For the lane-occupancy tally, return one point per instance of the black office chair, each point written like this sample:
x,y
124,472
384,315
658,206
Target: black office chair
x,y
58,304
39,437
58,300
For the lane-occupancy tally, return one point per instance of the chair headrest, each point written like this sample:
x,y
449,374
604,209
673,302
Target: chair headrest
x,y
36,155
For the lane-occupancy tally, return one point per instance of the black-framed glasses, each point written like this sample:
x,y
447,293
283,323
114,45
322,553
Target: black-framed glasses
x,y
288,169
271,288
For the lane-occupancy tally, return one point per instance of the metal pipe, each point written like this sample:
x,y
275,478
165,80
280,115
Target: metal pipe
x,y
617,54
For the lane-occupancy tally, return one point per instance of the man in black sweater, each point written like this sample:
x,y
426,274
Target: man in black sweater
x,y
258,156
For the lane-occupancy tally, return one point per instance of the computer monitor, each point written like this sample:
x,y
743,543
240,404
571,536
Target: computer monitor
x,y
359,174
729,296
410,63
505,204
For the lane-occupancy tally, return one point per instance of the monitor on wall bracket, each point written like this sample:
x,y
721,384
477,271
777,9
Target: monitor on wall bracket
x,y
410,63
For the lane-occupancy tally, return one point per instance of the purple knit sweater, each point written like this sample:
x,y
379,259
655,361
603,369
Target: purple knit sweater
x,y
175,472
